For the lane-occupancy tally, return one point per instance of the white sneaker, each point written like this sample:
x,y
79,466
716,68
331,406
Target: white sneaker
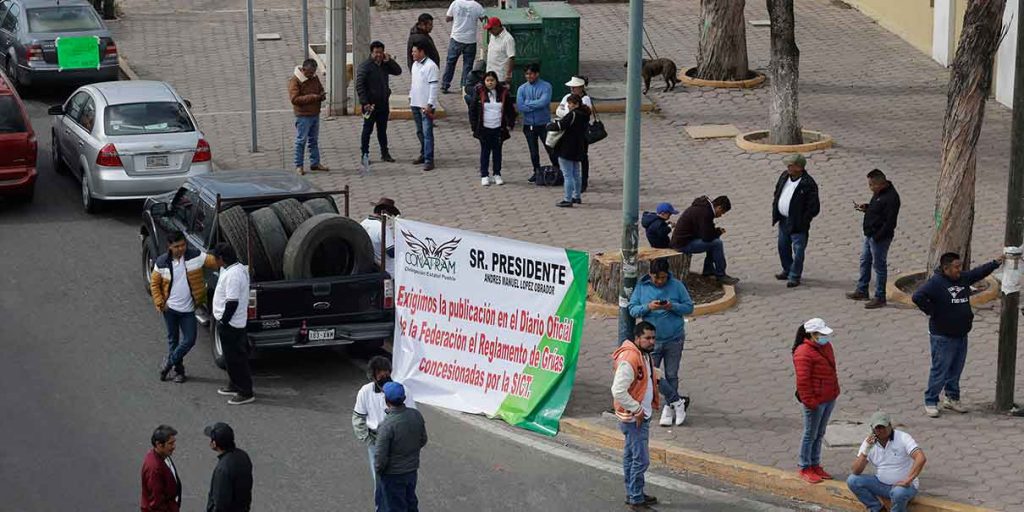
x,y
485,181
498,180
953,405
680,408
365,163
667,413
932,411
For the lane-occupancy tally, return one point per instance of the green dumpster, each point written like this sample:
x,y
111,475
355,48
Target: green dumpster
x,y
546,33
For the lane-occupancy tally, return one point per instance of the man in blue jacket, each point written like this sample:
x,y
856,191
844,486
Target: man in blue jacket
x,y
946,299
533,101
662,300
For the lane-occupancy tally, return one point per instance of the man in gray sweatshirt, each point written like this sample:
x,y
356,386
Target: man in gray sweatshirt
x,y
400,437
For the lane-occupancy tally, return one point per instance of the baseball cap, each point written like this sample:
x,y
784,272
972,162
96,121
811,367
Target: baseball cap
x,y
879,419
221,433
817,325
666,208
394,392
491,23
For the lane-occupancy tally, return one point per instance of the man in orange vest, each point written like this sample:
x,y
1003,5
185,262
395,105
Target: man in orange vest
x,y
635,394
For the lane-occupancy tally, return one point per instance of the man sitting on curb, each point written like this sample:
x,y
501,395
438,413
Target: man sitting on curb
x,y
898,461
695,232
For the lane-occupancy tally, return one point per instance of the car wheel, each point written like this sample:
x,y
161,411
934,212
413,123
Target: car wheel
x,y
147,263
328,245
89,203
58,162
216,347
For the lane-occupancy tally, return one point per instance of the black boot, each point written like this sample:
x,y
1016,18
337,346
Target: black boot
x,y
385,156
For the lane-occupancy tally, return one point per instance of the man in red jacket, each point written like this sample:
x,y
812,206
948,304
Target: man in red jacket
x,y
161,487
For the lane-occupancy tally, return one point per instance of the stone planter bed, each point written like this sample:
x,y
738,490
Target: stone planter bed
x,y
757,141
686,77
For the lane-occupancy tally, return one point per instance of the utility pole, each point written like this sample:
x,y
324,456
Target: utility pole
x,y
253,147
305,29
1006,363
337,58
631,174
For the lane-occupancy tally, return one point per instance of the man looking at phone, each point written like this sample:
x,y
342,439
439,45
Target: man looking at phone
x,y
879,227
898,462
662,300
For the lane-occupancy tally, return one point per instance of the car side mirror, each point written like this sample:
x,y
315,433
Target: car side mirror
x,y
159,210
188,104
56,110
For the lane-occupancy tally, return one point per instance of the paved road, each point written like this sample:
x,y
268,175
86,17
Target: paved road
x,y
79,395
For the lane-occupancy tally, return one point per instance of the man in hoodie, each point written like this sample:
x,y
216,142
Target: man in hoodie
x,y
306,94
634,400
879,228
696,233
374,94
656,225
420,34
662,300
533,101
794,205
946,299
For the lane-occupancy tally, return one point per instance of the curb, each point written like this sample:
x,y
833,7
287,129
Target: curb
x,y
749,83
126,70
785,484
894,294
825,141
727,301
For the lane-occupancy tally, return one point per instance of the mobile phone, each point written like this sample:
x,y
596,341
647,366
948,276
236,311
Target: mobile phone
x,y
662,301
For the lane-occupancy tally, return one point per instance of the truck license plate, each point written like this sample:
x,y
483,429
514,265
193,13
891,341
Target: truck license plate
x,y
321,334
156,161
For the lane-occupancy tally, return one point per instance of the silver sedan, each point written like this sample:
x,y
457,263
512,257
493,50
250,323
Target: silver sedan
x,y
127,140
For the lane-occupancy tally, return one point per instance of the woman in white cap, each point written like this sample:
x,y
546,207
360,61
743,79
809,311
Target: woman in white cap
x,y
817,387
578,86
570,148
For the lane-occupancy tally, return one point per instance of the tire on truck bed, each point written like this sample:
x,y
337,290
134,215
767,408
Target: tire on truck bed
x,y
271,238
319,205
328,244
235,226
291,213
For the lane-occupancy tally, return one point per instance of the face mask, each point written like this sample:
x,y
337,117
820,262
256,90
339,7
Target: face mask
x,y
379,384
823,340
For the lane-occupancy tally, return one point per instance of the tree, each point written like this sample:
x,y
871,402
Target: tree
x,y
105,8
722,50
783,76
970,81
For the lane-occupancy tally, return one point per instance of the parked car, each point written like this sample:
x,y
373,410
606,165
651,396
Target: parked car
x,y
17,145
29,30
127,140
313,278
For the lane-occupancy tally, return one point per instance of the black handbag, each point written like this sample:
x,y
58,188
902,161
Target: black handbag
x,y
596,132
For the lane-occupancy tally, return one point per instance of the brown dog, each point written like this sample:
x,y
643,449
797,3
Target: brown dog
x,y
663,67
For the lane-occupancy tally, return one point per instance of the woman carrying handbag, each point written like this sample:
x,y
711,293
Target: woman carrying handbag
x,y
578,86
571,147
492,115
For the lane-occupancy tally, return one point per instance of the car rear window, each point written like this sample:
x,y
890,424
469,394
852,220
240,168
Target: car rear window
x,y
146,118
76,18
11,120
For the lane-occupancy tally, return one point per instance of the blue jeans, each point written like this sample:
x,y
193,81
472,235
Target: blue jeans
x,y
490,148
791,251
181,337
714,260
455,49
815,423
671,352
371,448
948,358
425,134
635,458
397,493
868,488
874,254
307,132
571,173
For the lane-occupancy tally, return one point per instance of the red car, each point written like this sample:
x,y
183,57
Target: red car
x,y
17,145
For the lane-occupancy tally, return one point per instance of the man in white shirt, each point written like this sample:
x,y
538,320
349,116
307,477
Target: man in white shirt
x,y
230,308
898,461
501,50
422,100
794,205
384,208
634,399
370,408
466,16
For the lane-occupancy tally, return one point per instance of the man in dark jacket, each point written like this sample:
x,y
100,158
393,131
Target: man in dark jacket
x,y
696,233
656,225
946,299
161,486
879,227
231,485
375,95
420,33
794,205
400,437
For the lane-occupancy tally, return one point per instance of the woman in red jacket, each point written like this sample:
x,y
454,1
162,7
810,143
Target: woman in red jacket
x,y
817,387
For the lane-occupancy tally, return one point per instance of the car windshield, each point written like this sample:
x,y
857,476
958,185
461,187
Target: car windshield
x,y
146,118
11,120
72,18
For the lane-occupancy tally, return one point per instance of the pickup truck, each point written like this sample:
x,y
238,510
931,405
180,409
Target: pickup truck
x,y
356,306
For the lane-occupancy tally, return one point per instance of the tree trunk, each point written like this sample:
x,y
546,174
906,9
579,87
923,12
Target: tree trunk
x,y
783,76
722,50
606,269
970,81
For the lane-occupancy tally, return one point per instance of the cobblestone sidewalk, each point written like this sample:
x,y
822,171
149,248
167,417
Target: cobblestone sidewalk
x,y
883,102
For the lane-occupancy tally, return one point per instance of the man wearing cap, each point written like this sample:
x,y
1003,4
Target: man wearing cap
x,y
161,486
383,209
657,227
230,309
400,437
695,233
634,400
501,50
898,461
231,484
465,16
794,205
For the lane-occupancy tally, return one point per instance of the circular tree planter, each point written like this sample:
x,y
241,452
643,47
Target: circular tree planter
x,y
728,299
686,78
900,289
757,142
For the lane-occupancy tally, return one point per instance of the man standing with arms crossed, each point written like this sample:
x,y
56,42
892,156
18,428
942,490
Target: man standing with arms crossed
x,y
230,306
635,397
466,15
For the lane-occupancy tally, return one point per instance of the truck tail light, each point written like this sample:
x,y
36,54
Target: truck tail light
x,y
389,294
251,312
33,146
34,53
203,153
108,157
110,50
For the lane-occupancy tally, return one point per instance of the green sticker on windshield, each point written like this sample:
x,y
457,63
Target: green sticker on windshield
x,y
78,52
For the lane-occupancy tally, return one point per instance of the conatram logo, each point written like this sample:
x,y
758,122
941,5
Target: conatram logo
x,y
428,255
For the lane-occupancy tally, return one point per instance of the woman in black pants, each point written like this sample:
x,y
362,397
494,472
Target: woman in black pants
x,y
492,115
